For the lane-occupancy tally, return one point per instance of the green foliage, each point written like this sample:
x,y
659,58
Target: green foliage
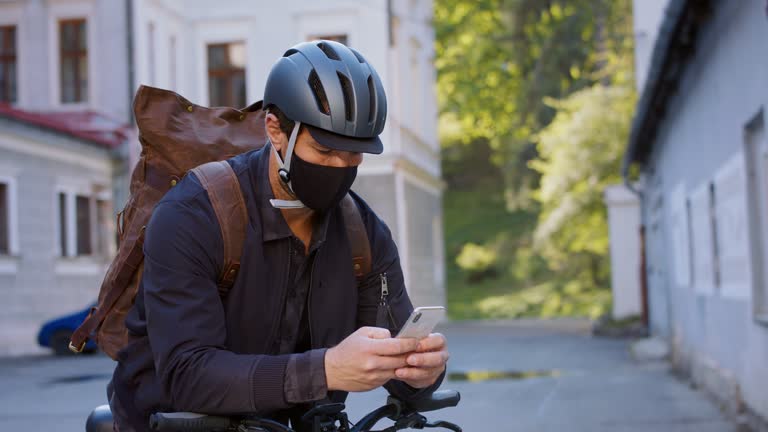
x,y
499,60
476,260
536,100
524,284
579,155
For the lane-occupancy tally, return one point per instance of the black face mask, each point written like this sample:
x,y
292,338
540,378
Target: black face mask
x,y
320,187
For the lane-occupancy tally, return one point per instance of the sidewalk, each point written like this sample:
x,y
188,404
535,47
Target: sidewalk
x,y
597,386
587,385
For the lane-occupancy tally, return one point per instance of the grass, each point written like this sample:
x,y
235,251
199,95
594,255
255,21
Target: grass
x,y
522,286
478,217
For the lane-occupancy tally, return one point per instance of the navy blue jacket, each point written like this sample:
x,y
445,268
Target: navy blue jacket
x,y
191,350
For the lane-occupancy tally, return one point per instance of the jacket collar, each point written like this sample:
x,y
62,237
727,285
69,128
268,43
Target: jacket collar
x,y
273,224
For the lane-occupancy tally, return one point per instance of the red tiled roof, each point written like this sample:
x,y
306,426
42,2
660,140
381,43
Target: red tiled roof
x,y
89,126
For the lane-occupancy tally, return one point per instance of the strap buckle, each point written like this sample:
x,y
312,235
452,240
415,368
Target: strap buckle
x,y
76,350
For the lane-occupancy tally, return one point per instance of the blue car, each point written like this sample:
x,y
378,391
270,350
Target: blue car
x,y
55,333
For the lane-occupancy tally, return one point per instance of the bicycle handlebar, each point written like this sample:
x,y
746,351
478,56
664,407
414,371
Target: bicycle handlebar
x,y
188,422
439,400
405,414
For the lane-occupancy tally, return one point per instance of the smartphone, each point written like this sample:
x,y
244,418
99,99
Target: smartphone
x,y
421,322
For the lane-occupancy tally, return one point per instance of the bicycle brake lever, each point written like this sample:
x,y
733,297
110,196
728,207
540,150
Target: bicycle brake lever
x,y
443,424
412,420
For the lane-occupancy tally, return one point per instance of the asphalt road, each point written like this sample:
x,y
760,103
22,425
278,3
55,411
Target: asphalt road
x,y
542,376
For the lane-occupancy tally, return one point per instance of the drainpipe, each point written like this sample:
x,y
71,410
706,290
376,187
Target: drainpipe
x,y
129,45
643,260
122,180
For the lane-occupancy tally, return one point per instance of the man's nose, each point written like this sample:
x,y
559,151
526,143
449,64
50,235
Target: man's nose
x,y
349,159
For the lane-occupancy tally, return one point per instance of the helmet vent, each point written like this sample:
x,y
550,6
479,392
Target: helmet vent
x,y
329,51
371,99
346,89
319,92
359,57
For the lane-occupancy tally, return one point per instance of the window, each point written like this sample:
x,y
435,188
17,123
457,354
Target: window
x,y
680,232
63,225
5,229
226,74
702,233
732,243
713,223
8,80
83,217
73,57
85,224
757,171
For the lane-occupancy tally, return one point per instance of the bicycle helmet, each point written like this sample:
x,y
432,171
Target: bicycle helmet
x,y
334,91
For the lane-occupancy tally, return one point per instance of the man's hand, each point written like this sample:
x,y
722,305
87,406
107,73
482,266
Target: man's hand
x,y
426,364
366,360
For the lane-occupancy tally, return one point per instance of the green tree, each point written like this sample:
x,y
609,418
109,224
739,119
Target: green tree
x,y
498,60
579,155
547,87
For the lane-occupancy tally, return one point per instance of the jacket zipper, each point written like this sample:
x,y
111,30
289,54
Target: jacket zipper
x,y
384,295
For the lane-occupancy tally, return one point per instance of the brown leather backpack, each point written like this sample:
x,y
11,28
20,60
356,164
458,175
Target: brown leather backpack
x,y
176,137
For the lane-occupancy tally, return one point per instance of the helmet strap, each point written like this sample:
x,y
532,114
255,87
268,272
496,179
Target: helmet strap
x,y
285,171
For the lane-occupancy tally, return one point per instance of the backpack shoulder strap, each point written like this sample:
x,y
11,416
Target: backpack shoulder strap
x,y
223,187
358,237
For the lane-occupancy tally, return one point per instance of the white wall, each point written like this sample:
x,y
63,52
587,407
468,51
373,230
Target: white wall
x,y
624,233
700,143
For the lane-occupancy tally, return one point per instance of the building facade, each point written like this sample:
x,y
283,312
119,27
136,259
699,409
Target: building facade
x,y
77,56
56,213
699,140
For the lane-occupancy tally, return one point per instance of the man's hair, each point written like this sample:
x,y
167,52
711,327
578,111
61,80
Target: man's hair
x,y
286,124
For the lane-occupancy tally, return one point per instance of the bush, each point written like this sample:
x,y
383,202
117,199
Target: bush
x,y
477,261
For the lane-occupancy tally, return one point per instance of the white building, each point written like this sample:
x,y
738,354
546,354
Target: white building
x,y
699,140
73,56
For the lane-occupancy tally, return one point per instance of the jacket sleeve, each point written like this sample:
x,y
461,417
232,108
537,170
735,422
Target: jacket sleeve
x,y
186,321
386,263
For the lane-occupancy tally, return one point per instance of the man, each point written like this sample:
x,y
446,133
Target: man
x,y
296,328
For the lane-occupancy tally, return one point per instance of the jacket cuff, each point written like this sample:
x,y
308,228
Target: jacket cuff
x,y
305,379
268,383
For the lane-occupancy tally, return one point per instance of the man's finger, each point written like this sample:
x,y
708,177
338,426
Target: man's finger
x,y
433,342
393,346
428,359
417,374
376,332
390,363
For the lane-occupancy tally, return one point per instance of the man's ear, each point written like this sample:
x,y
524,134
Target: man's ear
x,y
275,134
